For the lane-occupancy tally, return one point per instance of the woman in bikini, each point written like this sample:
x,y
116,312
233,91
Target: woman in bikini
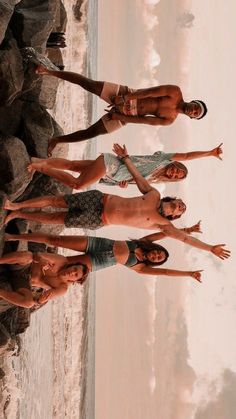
x,y
111,170
55,273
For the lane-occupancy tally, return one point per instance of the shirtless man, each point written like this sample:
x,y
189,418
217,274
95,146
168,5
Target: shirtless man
x,y
158,105
93,209
53,273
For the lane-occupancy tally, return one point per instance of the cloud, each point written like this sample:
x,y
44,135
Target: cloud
x,y
224,405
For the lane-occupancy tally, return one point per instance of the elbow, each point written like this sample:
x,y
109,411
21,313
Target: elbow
x,y
27,303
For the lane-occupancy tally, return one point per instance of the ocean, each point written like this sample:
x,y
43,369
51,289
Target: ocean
x,y
54,374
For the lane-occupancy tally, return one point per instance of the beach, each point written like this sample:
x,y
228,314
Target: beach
x,y
124,345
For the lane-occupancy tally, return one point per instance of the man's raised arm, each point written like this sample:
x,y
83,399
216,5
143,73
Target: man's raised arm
x,y
157,91
148,120
142,183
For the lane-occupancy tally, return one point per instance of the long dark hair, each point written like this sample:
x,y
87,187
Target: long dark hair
x,y
147,246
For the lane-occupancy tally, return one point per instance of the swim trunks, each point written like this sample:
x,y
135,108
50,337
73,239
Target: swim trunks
x,y
109,92
85,210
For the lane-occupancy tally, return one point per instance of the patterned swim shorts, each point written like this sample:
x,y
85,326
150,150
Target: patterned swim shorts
x,y
85,210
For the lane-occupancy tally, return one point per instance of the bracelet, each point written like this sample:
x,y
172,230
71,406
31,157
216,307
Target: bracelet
x,y
124,157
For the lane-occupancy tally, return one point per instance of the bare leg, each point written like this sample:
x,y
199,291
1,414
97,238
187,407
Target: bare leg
x,y
89,175
81,135
40,217
90,85
61,164
41,202
78,243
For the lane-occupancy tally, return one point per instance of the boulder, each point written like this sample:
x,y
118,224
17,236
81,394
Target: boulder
x,y
11,72
37,88
6,11
38,127
10,118
14,177
32,22
60,18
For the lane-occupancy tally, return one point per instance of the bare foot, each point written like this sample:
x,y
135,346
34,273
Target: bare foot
x,y
51,145
40,69
8,205
11,216
31,168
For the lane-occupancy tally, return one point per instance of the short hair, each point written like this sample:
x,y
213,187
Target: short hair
x,y
169,199
204,107
147,246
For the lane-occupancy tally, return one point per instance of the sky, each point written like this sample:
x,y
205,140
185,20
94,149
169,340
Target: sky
x,y
166,347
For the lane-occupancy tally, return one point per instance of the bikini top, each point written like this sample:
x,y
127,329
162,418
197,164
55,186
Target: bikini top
x,y
132,259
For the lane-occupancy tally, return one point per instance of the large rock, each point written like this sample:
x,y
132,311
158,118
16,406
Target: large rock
x,y
32,22
14,158
37,88
10,118
60,18
11,72
38,127
6,11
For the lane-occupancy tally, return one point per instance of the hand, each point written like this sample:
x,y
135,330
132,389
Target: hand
x,y
51,145
46,265
45,297
196,275
219,251
120,151
123,184
196,228
216,152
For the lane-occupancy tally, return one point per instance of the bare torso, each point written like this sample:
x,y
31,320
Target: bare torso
x,y
46,281
163,107
139,212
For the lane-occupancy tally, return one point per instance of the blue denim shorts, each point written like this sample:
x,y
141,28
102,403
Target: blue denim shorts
x,y
100,251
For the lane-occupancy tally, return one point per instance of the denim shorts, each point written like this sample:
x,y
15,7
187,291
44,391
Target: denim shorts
x,y
100,251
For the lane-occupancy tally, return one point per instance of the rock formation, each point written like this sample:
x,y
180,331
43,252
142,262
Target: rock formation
x,y
25,127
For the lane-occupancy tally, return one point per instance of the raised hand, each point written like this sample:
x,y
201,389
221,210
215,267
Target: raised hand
x,y
196,228
216,152
120,151
196,275
123,184
220,252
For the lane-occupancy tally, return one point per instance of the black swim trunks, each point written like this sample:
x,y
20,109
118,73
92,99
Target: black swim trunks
x,y
85,210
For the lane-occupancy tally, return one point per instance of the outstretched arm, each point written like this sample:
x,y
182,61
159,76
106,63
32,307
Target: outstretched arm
x,y
215,152
177,234
156,91
142,183
196,228
149,120
148,270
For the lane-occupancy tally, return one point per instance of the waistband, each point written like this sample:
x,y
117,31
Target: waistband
x,y
103,215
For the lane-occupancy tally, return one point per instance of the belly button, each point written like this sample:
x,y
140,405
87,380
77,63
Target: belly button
x,y
148,219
